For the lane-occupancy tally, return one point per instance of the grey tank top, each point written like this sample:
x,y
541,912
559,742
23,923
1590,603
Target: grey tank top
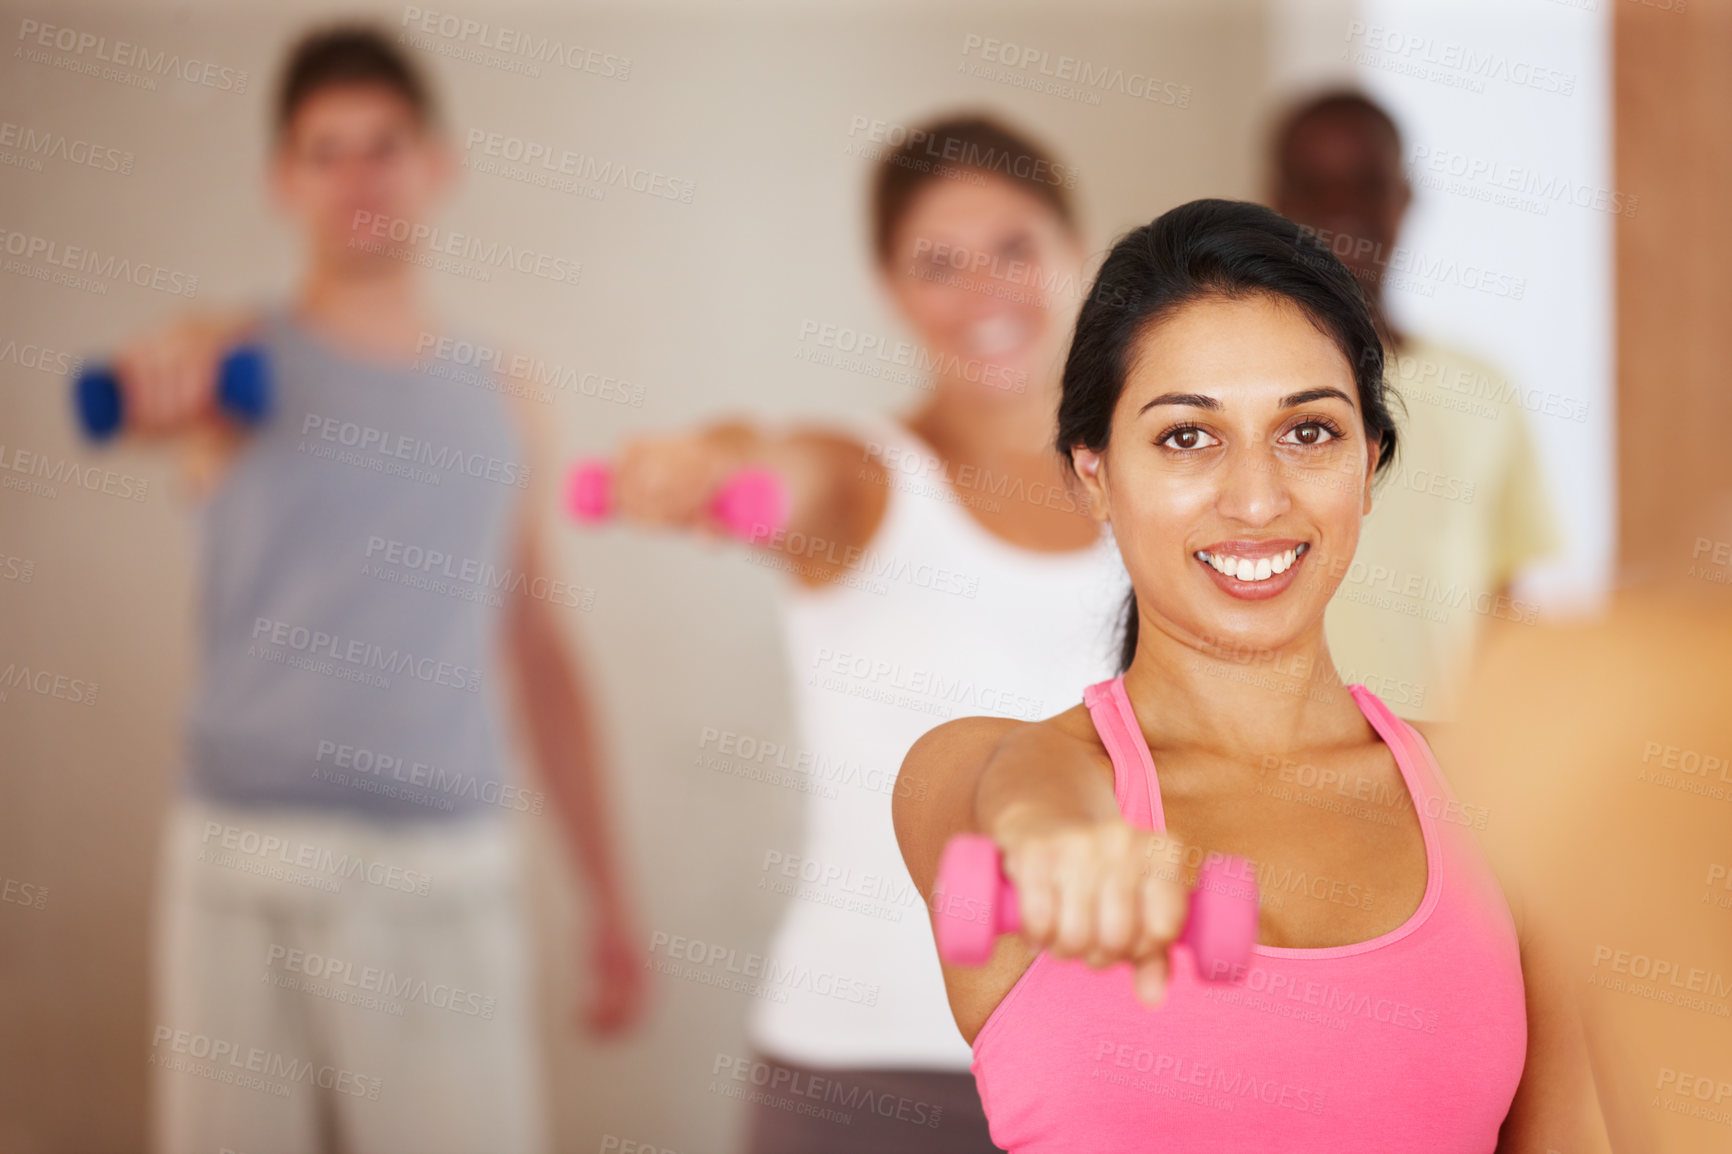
x,y
355,562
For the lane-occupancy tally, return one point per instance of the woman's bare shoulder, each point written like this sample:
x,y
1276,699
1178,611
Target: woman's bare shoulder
x,y
936,790
971,740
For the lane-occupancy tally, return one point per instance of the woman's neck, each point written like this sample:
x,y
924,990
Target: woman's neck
x,y
1241,703
1010,434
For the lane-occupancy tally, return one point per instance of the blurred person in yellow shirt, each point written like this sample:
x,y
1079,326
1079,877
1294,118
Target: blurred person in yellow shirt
x,y
1464,508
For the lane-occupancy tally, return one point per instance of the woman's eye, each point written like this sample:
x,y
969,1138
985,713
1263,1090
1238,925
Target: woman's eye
x,y
1188,438
1310,433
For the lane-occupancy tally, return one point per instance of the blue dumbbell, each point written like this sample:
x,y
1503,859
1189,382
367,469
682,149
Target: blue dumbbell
x,y
243,392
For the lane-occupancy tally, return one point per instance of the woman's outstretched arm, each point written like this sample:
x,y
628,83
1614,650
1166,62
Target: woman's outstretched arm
x,y
837,490
1089,884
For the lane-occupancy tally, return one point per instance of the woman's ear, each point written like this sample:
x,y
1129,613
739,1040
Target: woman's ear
x,y
1091,469
1373,450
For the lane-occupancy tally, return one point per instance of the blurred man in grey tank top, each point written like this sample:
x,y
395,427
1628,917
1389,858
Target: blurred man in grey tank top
x,y
341,958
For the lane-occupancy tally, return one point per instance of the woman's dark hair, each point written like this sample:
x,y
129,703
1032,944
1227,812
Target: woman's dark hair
x,y
1224,249
961,148
345,55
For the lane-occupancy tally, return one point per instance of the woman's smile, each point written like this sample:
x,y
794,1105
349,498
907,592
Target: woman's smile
x,y
1253,570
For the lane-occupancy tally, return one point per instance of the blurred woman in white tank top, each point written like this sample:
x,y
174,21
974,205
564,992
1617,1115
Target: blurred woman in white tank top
x,y
939,566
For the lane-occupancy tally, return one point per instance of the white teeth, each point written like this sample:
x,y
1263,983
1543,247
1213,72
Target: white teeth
x,y
1245,569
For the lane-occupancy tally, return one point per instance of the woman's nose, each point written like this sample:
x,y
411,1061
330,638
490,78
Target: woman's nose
x,y
1254,487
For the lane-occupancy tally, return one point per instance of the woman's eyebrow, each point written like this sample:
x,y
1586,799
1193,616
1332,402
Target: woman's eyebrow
x,y
1203,401
1309,395
1194,400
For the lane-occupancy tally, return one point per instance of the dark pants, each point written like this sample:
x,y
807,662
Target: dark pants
x,y
807,1110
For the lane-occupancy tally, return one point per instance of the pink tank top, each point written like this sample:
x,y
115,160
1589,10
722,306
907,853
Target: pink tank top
x,y
1412,1041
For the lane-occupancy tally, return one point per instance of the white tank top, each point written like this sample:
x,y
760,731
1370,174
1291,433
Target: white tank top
x,y
940,619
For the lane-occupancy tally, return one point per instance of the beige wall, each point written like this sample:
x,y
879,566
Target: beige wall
x,y
699,304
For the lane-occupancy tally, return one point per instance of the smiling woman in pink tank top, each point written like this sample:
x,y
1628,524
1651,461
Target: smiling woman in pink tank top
x,y
1224,409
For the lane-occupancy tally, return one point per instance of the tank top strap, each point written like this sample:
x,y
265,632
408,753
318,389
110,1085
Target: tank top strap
x,y
1447,852
1412,754
903,531
918,516
1134,781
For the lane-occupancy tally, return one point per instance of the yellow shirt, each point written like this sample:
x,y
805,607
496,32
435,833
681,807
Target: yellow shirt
x,y
1460,511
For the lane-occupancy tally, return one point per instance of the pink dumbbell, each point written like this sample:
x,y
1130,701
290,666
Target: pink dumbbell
x,y
753,504
974,903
